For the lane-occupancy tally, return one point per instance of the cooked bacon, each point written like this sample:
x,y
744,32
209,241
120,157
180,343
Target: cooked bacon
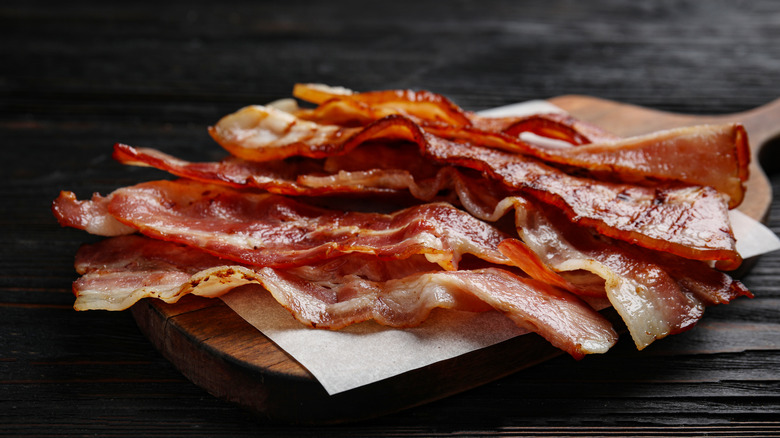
x,y
628,220
656,294
364,108
705,155
674,155
690,221
279,177
319,93
264,133
341,106
367,171
118,272
265,230
709,155
269,230
91,216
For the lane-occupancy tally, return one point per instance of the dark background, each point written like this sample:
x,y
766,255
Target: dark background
x,y
76,77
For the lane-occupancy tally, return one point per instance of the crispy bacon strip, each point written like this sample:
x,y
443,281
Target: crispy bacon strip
x,y
706,155
117,272
341,106
91,216
364,108
351,174
269,230
281,177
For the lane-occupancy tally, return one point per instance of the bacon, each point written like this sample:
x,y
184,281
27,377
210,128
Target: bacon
x,y
690,221
281,177
345,107
709,155
259,133
264,133
117,272
227,223
269,230
673,155
91,216
598,218
656,294
341,106
311,178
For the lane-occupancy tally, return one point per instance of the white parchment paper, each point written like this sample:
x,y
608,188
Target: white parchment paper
x,y
367,352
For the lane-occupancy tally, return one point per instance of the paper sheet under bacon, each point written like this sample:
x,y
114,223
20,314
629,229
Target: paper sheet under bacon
x,y
119,271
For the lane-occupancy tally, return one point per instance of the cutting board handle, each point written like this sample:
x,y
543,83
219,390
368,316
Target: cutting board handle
x,y
762,125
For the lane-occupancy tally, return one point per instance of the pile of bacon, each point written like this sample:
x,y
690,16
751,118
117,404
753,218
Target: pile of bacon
x,y
543,218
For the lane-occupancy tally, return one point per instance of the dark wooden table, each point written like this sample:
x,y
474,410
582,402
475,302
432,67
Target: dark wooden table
x,y
75,77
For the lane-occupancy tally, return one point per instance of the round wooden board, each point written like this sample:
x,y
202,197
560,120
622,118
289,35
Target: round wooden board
x,y
219,351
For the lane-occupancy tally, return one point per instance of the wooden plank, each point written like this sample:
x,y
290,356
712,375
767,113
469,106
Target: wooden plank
x,y
76,77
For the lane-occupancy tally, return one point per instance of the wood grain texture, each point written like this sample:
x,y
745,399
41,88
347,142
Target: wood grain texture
x,y
76,77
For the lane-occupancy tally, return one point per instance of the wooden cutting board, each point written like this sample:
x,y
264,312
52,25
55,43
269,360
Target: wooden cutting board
x,y
222,353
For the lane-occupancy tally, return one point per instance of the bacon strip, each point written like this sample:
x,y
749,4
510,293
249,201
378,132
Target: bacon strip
x,y
362,109
117,272
656,294
309,178
280,177
689,221
91,216
269,230
709,155
341,106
